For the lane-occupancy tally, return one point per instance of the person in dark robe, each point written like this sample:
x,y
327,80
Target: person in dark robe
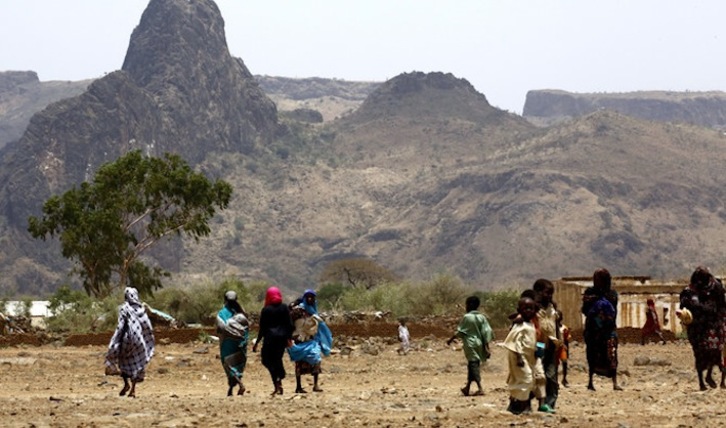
x,y
276,334
704,299
599,305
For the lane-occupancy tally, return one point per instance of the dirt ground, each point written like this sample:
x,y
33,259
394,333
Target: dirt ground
x,y
65,386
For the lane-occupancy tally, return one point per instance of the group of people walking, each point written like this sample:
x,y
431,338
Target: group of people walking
x,y
295,328
537,343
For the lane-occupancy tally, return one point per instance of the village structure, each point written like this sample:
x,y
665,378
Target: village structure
x,y
633,293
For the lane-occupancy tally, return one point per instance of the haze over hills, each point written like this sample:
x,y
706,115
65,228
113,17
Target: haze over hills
x,y
425,176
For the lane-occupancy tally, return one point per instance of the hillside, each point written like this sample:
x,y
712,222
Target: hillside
x,y
22,95
695,108
419,172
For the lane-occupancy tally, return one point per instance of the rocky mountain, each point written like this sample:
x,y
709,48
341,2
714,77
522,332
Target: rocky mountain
x,y
695,108
424,176
179,91
22,95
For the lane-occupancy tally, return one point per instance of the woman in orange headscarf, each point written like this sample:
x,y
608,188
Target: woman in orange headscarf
x,y
276,331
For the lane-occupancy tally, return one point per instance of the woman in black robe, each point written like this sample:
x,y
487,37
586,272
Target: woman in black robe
x,y
704,298
276,332
600,306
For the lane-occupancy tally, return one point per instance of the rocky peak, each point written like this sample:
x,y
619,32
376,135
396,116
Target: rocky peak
x,y
179,91
419,94
179,53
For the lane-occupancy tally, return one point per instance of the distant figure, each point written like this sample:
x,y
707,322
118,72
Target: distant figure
x,y
276,333
521,343
703,312
475,334
564,353
312,340
233,330
599,305
404,337
652,325
132,344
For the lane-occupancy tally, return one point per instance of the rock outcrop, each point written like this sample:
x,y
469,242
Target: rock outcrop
x,y
696,108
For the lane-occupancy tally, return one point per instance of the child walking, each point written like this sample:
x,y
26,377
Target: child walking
x,y
521,342
404,337
475,334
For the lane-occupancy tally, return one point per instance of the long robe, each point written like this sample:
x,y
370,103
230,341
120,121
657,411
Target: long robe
x,y
233,329
521,340
132,344
475,333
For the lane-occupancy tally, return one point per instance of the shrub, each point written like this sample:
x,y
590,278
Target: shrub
x,y
199,303
73,311
498,305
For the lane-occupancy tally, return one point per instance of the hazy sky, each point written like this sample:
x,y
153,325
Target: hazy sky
x,y
503,47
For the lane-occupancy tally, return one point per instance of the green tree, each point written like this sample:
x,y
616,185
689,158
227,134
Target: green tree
x,y
357,272
105,226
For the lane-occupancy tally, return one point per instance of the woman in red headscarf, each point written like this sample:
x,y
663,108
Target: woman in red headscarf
x,y
276,331
652,325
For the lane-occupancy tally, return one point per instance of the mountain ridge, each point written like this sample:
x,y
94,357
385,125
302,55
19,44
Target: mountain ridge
x,y
424,177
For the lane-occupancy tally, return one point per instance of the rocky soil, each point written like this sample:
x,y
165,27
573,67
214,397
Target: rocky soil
x,y
366,383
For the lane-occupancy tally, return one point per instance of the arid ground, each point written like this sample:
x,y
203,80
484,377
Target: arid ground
x,y
365,384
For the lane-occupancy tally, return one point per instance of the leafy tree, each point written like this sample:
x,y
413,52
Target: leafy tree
x,y
105,226
357,272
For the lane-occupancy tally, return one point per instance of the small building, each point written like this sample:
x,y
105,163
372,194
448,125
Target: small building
x,y
38,311
633,291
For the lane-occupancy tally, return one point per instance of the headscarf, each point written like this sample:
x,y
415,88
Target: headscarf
x,y
650,303
701,278
273,296
602,281
230,302
312,309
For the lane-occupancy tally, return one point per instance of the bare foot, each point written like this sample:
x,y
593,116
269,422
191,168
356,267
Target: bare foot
x,y
317,389
124,390
617,388
565,383
465,391
241,391
591,387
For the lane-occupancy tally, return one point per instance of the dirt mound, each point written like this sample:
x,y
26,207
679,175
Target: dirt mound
x,y
426,328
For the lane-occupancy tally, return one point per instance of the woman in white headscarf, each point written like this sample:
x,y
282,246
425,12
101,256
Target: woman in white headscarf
x,y
132,344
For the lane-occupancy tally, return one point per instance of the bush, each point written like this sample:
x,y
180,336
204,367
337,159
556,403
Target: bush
x,y
498,305
73,311
444,294
199,303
